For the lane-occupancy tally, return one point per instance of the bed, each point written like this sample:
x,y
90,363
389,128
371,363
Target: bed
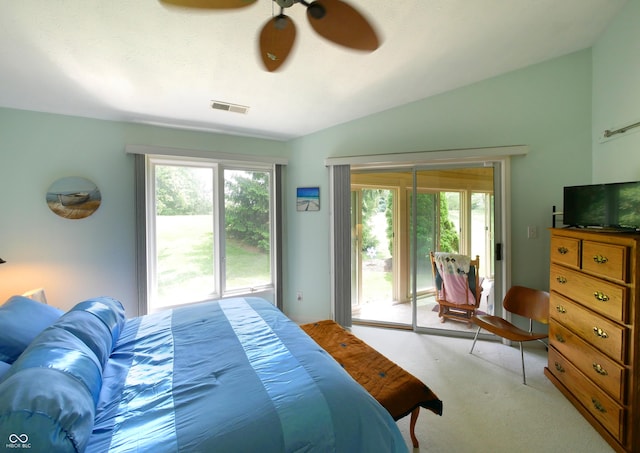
x,y
232,375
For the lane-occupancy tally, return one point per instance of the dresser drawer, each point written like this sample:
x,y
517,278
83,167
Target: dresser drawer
x,y
601,333
565,250
605,259
609,413
603,371
599,295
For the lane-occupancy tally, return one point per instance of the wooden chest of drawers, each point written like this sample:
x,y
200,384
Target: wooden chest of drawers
x,y
594,347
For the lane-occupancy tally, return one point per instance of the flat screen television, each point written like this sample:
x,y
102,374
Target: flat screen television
x,y
612,206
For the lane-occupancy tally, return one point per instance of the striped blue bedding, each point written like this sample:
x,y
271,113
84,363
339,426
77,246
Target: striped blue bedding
x,y
233,375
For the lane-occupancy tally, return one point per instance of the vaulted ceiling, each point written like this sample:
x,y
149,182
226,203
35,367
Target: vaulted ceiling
x,y
140,61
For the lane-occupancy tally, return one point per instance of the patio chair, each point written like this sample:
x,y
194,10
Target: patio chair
x,y
458,288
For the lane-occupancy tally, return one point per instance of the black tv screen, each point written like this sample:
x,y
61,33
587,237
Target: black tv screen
x,y
615,205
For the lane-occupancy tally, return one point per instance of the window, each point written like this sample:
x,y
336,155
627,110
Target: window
x,y
210,230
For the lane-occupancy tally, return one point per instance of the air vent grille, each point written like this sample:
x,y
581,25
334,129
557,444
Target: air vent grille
x,y
226,106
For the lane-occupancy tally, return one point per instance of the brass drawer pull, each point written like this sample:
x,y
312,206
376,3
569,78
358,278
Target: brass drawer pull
x,y
599,295
561,280
560,309
559,368
598,405
559,338
563,250
598,368
598,332
599,259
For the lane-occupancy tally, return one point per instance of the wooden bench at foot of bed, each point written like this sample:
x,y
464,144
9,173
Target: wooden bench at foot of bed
x,y
397,390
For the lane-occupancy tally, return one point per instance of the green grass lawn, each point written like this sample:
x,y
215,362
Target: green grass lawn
x,y
376,286
185,259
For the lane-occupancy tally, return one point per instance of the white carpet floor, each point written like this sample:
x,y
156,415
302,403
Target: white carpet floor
x,y
487,408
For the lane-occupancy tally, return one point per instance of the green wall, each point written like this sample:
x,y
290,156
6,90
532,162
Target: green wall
x,y
77,259
546,106
616,98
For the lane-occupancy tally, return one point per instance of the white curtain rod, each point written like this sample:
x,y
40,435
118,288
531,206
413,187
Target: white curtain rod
x,y
609,133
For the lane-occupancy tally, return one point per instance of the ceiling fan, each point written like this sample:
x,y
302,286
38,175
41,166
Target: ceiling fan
x,y
334,20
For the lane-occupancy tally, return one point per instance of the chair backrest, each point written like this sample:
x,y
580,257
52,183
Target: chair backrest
x,y
473,277
528,302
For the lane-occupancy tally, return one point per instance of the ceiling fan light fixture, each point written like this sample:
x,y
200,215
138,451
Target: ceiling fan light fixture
x,y
316,10
280,22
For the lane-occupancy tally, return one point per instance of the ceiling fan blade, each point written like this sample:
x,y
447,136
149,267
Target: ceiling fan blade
x,y
209,4
276,41
342,24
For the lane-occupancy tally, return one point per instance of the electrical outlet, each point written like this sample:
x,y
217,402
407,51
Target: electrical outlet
x,y
532,232
299,296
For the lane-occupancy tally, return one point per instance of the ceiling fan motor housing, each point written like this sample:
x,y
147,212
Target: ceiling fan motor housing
x,y
285,3
315,9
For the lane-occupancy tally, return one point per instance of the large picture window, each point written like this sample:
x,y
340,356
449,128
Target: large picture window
x,y
210,230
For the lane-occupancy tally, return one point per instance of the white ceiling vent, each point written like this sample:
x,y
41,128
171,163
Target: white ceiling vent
x,y
219,105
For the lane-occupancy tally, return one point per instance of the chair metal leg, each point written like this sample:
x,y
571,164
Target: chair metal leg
x,y
524,377
474,340
546,346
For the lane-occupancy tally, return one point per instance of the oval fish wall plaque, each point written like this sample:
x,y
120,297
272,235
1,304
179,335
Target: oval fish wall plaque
x,y
73,197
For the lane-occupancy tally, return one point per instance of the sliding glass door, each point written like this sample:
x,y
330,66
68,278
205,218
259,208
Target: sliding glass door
x,y
460,213
397,219
372,250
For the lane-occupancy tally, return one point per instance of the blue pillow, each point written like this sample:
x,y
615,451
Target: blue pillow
x,y
50,393
97,322
4,367
21,320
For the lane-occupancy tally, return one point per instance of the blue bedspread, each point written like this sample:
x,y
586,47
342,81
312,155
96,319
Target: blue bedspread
x,y
232,376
